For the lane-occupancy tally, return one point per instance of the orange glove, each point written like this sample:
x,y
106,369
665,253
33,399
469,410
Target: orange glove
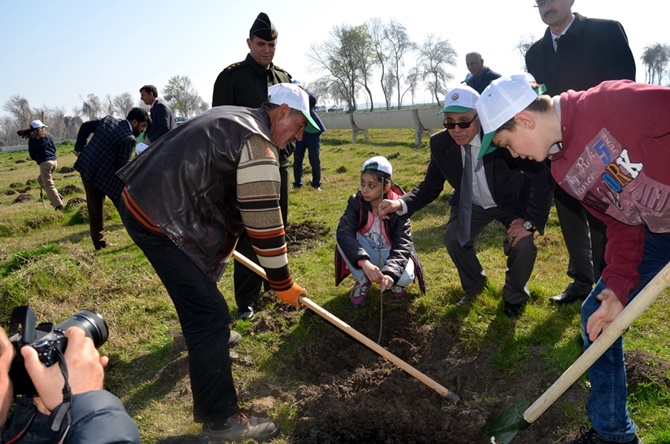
x,y
292,295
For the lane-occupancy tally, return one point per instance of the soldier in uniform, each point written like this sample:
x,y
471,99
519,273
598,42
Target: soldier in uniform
x,y
246,84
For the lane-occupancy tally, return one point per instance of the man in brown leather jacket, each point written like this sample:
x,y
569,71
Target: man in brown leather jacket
x,y
187,199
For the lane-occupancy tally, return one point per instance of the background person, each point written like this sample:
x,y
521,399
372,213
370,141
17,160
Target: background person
x,y
188,220
42,150
98,161
517,194
162,120
246,84
311,142
362,237
481,75
578,53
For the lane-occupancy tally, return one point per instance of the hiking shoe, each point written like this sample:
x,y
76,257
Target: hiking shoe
x,y
245,313
513,311
398,292
234,338
358,294
591,437
241,427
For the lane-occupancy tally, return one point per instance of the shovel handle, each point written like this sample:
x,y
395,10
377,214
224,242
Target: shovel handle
x,y
444,392
620,324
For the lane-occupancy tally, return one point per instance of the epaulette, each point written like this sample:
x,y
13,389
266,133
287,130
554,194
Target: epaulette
x,y
233,67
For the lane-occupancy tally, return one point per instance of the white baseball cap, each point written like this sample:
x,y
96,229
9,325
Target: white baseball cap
x,y
296,98
460,100
378,163
500,101
37,124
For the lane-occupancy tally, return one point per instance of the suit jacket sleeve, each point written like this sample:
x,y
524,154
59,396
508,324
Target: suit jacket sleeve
x,y
85,130
161,121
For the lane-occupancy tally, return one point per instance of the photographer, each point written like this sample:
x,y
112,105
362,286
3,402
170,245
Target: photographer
x,y
94,415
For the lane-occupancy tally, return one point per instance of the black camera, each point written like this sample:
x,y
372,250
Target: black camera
x,y
48,340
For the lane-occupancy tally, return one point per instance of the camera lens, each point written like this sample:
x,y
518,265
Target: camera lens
x,y
91,322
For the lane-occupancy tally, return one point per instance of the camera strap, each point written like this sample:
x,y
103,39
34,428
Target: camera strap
x,y
62,412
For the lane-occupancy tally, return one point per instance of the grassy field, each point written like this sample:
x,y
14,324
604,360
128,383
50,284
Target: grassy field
x,y
47,261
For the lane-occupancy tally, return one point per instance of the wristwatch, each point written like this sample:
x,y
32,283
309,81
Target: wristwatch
x,y
528,226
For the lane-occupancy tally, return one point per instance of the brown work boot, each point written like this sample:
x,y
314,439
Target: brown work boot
x,y
240,427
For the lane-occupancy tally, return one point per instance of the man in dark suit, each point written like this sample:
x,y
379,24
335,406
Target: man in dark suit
x,y
98,161
162,120
497,187
246,84
578,53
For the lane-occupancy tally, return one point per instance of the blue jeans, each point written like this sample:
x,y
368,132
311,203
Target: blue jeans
x,y
607,402
357,272
312,143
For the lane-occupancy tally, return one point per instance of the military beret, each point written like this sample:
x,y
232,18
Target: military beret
x,y
263,28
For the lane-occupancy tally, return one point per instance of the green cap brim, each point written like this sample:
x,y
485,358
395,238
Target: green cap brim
x,y
311,127
486,145
454,109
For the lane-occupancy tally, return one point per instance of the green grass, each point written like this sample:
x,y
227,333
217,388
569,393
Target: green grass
x,y
47,260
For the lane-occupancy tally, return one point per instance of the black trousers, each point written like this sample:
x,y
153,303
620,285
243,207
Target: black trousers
x,y
95,204
204,317
247,283
585,240
520,259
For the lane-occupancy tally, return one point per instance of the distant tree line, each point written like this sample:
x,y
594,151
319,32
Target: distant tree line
x,y
179,93
351,62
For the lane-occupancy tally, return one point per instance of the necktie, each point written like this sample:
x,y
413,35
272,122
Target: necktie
x,y
465,201
556,43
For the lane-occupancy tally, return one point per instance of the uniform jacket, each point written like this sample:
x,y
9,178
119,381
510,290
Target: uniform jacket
x,y
108,150
521,187
397,231
246,83
95,417
193,196
614,160
162,120
591,51
42,149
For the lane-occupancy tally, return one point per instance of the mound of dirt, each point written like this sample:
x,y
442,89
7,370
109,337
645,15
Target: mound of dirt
x,y
644,368
303,234
23,197
65,170
70,189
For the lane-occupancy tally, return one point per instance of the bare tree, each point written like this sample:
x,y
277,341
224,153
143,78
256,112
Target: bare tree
x,y
379,47
20,109
109,107
655,58
340,58
8,136
524,44
434,56
399,44
123,103
92,107
72,124
182,96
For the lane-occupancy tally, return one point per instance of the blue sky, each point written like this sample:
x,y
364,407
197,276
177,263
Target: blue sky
x,y
55,52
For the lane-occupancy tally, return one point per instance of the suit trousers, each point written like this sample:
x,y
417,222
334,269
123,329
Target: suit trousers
x,y
520,259
247,283
204,318
95,203
584,236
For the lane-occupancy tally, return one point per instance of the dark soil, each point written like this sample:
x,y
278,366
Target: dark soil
x,y
350,394
23,197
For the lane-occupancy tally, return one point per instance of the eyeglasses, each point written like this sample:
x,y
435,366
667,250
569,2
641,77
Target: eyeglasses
x,y
542,3
452,125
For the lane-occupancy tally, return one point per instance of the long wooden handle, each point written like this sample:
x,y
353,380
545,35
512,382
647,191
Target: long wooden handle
x,y
632,311
451,396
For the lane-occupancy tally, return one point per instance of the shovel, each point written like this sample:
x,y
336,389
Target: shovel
x,y
506,427
445,393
